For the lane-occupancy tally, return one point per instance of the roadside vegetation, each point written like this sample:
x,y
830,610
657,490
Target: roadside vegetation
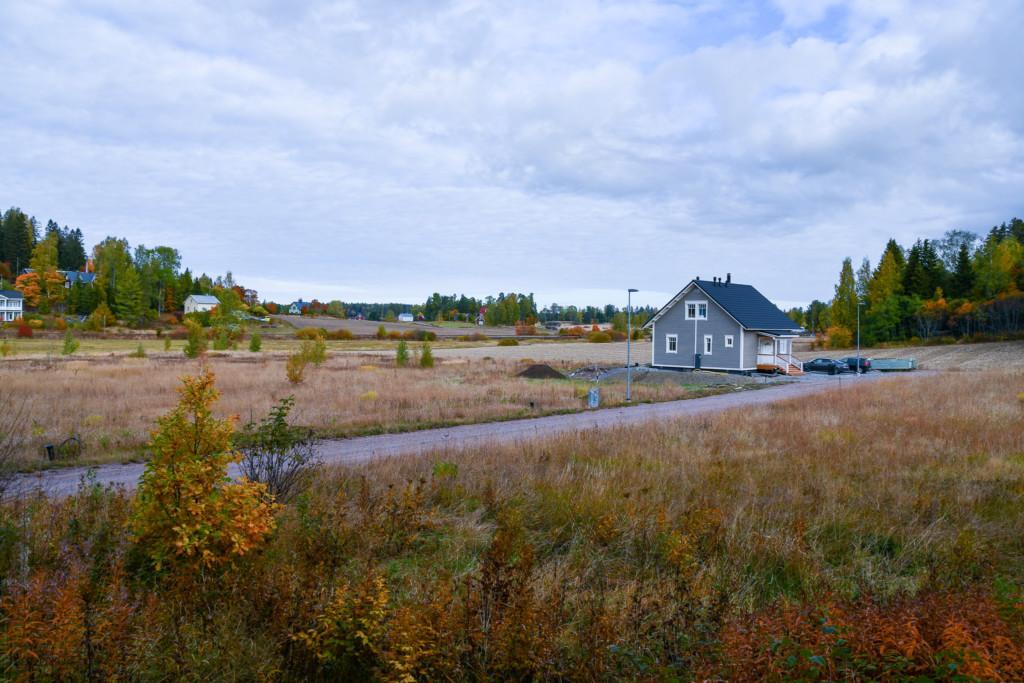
x,y
874,535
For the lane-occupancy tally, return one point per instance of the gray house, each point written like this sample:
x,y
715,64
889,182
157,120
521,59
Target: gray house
x,y
720,325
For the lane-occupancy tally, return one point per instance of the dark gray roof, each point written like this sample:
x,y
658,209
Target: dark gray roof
x,y
11,294
746,304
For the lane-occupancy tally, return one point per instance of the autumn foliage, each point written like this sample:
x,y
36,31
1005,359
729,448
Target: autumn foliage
x,y
188,512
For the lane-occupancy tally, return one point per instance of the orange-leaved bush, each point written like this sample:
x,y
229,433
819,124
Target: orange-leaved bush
x,y
189,513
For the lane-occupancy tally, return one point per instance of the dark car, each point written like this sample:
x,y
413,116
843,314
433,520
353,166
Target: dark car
x,y
826,365
865,363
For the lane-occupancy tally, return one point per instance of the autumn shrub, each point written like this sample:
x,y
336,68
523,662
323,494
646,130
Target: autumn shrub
x,y
277,454
255,343
522,329
221,339
167,343
24,329
394,335
310,333
188,516
139,352
100,318
616,336
575,331
295,367
419,335
382,333
196,343
341,335
402,354
599,337
508,341
314,351
838,337
426,356
70,344
6,349
60,324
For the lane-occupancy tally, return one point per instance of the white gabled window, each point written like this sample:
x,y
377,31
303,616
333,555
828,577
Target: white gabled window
x,y
728,341
671,343
707,344
696,310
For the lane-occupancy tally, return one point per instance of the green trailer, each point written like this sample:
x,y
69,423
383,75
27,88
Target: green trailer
x,y
893,364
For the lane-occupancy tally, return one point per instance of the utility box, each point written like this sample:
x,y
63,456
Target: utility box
x,y
696,361
594,398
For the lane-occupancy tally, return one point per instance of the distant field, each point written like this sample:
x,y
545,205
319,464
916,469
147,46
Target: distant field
x,y
367,328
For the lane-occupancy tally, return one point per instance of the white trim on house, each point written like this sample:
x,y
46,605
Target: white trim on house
x,y
709,344
654,343
671,343
696,303
743,342
729,341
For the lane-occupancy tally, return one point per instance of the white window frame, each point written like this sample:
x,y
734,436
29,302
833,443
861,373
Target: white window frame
x,y
709,343
729,341
696,310
670,341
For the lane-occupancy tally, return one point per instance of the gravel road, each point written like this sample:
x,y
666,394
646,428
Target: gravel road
x,y
61,482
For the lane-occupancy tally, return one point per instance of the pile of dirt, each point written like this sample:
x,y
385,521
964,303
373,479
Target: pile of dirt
x,y
541,371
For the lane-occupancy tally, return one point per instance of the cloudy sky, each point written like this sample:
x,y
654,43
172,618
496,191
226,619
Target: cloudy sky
x,y
384,150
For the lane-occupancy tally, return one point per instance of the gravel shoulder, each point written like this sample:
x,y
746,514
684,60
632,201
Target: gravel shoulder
x,y
362,449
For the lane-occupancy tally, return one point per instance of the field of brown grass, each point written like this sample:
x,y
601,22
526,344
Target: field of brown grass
x,y
873,533
111,402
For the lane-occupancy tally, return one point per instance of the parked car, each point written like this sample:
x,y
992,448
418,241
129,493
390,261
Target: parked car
x,y
826,365
865,363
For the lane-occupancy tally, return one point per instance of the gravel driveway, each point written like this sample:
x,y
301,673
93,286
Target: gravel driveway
x,y
351,451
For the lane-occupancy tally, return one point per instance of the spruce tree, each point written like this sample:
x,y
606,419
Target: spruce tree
x,y
844,304
961,283
130,306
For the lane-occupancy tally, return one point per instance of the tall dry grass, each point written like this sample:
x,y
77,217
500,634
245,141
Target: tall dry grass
x,y
870,533
112,402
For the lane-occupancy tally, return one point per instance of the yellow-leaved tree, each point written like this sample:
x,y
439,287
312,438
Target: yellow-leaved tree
x,y
189,514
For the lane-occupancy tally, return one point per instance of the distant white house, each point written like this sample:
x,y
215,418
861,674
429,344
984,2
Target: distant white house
x,y
200,303
298,307
12,305
405,317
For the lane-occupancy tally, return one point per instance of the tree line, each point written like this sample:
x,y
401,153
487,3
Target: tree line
x,y
961,284
131,285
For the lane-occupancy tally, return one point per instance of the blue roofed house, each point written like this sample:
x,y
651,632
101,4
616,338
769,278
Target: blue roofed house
x,y
298,307
721,325
77,276
12,305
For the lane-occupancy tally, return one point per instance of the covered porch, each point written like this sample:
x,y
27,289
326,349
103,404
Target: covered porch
x,y
775,354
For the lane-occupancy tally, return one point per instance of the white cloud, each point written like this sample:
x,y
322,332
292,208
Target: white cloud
x,y
574,149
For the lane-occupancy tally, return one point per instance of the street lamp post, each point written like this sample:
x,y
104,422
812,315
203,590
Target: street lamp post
x,y
629,341
859,304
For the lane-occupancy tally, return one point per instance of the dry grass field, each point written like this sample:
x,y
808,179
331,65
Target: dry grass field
x,y
875,533
112,402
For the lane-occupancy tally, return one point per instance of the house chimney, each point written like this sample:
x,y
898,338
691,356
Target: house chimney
x,y
728,279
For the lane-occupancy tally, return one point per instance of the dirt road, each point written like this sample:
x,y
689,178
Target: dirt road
x,y
352,451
